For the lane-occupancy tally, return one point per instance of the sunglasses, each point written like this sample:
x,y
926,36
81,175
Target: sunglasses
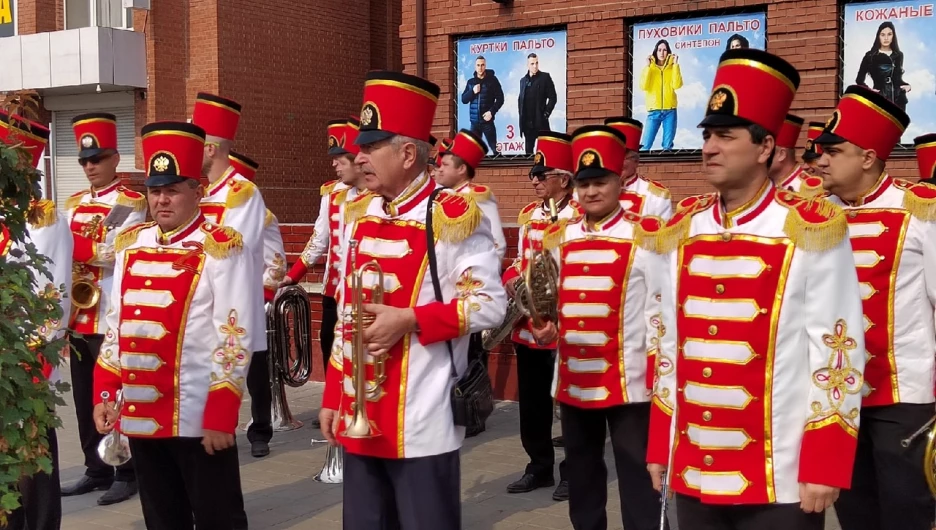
x,y
97,159
542,177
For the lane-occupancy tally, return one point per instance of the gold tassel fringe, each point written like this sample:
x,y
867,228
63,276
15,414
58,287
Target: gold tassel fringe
x,y
128,237
455,229
480,196
527,213
923,208
137,203
668,237
341,196
269,218
555,234
815,236
72,202
241,191
658,189
328,187
356,209
231,242
42,213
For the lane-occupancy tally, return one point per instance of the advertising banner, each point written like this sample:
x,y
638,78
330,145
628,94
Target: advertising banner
x,y
7,24
510,87
672,70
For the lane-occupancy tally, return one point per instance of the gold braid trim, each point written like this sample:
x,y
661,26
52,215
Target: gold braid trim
x,y
815,236
231,245
923,208
455,229
42,214
239,193
269,218
555,234
72,202
658,189
328,187
138,204
356,209
667,238
129,236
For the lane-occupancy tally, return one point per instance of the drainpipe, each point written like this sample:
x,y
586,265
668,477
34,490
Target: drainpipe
x,y
421,38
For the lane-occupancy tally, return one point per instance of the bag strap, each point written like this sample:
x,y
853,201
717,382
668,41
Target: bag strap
x,y
434,269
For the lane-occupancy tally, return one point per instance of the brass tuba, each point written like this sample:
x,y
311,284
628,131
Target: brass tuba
x,y
360,426
929,454
289,341
536,297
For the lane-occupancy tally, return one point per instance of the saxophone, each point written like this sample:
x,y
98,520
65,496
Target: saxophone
x,y
536,297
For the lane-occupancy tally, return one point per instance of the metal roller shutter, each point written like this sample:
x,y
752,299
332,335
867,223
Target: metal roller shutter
x,y
69,177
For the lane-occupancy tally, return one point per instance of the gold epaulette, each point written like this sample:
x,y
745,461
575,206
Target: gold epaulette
x,y
555,234
129,236
328,187
812,224
811,186
527,213
42,213
919,199
222,241
72,202
644,227
691,200
135,200
479,193
663,238
269,218
340,197
239,193
356,209
454,217
657,188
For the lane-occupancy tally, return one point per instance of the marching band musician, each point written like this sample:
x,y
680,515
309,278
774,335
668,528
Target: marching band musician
x,y
234,201
604,302
408,475
436,162
179,343
784,171
457,166
94,234
892,224
329,226
652,197
41,507
760,282
813,152
551,178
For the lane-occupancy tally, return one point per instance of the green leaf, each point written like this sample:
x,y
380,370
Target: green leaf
x,y
10,501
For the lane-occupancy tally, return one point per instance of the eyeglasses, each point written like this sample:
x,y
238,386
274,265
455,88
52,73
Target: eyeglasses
x,y
542,177
97,159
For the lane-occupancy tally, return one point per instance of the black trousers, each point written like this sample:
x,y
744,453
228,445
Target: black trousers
x,y
327,334
889,491
530,134
534,385
489,130
41,504
693,514
584,432
406,494
82,384
181,485
261,398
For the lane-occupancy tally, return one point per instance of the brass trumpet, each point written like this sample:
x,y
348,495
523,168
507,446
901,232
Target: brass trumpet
x,y
85,294
929,453
360,426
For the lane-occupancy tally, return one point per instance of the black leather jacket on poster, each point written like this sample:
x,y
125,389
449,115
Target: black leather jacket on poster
x,y
886,73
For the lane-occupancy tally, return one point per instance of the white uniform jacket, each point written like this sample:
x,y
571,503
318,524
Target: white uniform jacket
x,y
486,200
179,332
656,197
274,257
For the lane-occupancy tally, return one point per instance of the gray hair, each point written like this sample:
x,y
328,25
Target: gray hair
x,y
224,145
422,148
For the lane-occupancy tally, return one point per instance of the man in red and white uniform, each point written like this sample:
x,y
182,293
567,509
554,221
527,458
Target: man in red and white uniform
x,y
457,167
41,507
639,194
89,216
756,406
179,341
408,476
328,233
784,171
605,298
234,201
551,178
892,225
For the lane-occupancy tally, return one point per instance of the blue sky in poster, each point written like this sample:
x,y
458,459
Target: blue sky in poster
x,y
917,40
509,65
698,42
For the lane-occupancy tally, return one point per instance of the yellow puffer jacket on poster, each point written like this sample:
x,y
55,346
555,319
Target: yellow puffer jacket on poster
x,y
660,84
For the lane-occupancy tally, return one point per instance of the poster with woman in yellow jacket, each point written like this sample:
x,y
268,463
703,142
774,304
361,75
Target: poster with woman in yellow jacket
x,y
674,63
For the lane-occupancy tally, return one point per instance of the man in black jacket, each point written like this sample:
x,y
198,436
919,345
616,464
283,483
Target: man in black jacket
x,y
484,96
537,101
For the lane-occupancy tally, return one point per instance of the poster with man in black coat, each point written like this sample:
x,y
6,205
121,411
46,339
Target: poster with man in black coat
x,y
536,102
484,96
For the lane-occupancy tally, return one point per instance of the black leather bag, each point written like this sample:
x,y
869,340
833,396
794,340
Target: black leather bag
x,y
472,396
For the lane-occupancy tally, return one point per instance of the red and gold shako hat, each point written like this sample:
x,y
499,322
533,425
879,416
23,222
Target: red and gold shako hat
x,y
926,155
553,151
813,150
789,132
751,86
469,147
32,136
218,116
630,127
336,137
867,119
244,165
597,151
352,129
444,145
173,152
397,104
95,133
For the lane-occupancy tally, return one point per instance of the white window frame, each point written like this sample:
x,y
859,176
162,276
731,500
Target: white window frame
x,y
92,5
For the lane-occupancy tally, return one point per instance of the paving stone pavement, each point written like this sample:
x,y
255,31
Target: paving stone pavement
x,y
279,492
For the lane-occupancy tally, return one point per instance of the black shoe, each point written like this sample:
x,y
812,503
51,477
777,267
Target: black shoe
x,y
558,442
87,484
562,491
118,492
529,482
259,449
